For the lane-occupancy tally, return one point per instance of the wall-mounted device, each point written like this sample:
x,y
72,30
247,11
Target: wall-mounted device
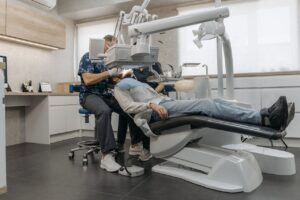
x,y
3,60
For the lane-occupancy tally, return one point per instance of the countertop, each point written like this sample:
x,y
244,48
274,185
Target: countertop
x,y
39,94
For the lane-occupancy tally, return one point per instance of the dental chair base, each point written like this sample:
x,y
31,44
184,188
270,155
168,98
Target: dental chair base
x,y
214,168
211,167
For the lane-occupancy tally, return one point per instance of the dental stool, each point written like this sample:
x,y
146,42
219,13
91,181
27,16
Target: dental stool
x,y
91,146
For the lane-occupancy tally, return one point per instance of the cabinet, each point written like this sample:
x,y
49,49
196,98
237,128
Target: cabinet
x,y
2,16
30,24
91,125
52,117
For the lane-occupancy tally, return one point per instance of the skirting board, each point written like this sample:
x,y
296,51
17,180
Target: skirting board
x,y
89,133
64,136
3,190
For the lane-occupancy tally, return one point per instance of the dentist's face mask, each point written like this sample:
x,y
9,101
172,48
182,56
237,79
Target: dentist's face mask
x,y
129,83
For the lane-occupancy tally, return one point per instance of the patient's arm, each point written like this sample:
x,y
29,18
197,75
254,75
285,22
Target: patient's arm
x,y
163,113
130,106
160,87
127,103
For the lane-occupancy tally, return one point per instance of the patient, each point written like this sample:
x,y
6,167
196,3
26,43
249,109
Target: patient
x,y
137,97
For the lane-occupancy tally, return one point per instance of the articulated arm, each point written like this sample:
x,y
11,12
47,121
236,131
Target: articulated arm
x,y
165,24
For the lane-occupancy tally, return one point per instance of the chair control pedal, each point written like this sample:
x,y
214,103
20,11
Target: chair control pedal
x,y
134,170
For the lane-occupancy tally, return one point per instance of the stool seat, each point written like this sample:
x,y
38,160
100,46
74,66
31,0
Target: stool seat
x,y
84,111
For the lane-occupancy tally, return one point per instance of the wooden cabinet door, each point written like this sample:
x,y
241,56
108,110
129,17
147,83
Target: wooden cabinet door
x,y
2,16
27,23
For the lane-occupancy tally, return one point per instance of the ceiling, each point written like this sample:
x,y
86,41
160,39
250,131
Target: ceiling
x,y
87,10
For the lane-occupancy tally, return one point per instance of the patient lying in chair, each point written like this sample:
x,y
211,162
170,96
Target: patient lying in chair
x,y
136,97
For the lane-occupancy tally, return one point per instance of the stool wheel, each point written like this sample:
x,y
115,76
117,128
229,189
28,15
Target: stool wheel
x,y
71,155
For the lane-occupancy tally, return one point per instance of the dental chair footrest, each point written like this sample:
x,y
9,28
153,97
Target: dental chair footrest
x,y
197,122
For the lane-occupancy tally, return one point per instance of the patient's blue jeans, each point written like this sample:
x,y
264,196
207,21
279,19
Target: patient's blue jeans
x,y
216,108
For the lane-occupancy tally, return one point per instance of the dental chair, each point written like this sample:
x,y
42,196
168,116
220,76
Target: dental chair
x,y
186,143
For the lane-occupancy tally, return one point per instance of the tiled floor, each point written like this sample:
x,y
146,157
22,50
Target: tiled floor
x,y
42,172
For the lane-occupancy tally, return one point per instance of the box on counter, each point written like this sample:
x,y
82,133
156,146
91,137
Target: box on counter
x,y
63,87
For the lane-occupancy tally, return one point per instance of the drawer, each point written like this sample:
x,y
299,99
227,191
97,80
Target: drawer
x,y
72,100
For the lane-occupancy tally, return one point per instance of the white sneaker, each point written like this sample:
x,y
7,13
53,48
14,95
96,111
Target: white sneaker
x,y
109,163
145,155
136,150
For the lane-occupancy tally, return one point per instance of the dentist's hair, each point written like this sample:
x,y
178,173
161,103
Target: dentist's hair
x,y
110,38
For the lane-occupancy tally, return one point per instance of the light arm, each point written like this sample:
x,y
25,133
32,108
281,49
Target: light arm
x,y
166,24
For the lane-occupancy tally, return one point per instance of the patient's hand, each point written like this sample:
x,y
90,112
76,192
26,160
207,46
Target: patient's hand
x,y
161,111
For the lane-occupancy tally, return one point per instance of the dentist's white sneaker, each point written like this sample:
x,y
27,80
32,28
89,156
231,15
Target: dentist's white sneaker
x,y
109,163
135,150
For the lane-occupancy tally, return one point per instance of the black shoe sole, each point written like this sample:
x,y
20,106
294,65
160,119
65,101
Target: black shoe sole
x,y
291,112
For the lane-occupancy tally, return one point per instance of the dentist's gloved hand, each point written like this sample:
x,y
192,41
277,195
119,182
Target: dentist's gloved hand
x,y
161,111
114,72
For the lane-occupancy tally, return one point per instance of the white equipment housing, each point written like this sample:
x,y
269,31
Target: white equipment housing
x,y
120,55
